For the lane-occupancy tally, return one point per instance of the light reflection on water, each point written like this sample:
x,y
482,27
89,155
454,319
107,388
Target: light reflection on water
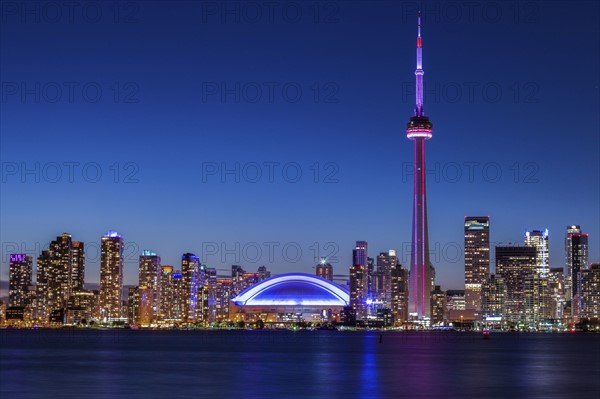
x,y
315,364
369,377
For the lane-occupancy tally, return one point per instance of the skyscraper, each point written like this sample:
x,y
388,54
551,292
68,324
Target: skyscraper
x,y
360,254
493,296
177,309
419,129
556,292
149,278
61,253
42,286
19,279
223,298
537,286
133,304
399,295
517,266
576,244
111,275
237,278
589,289
359,291
438,306
77,266
166,292
539,240
209,292
536,299
477,258
55,272
370,278
324,270
170,294
386,261
359,279
146,306
190,271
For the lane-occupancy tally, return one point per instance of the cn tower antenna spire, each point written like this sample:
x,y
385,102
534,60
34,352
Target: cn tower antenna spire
x,y
419,71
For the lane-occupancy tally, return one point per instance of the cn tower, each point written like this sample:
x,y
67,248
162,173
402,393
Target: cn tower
x,y
419,129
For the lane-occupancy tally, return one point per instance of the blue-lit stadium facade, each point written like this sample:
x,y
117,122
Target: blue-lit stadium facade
x,y
291,297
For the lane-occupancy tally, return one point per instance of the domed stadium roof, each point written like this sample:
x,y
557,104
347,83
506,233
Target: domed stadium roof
x,y
294,289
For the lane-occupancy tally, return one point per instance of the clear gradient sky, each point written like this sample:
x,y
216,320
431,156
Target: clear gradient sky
x,y
169,94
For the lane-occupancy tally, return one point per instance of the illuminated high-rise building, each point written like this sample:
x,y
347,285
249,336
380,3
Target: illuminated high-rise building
x,y
399,293
223,297
133,304
237,279
191,286
61,253
32,299
556,292
324,270
150,276
576,248
171,293
77,266
145,314
419,129
56,276
111,275
536,299
359,291
178,304
477,258
360,254
371,278
209,291
42,286
166,292
438,306
517,266
493,297
589,292
386,261
20,271
539,240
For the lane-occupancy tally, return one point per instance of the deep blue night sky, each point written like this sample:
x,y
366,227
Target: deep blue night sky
x,y
165,92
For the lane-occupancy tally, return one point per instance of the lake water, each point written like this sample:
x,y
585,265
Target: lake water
x,y
301,364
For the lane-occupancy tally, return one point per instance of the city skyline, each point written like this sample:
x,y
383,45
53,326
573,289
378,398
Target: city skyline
x,y
522,293
340,272
226,211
